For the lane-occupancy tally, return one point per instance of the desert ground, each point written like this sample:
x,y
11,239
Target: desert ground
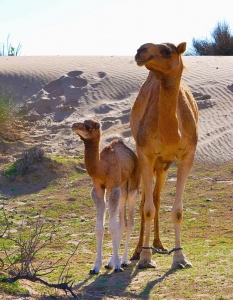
x,y
54,92
58,91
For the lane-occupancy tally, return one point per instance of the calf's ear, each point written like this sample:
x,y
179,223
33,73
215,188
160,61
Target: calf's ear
x,y
97,126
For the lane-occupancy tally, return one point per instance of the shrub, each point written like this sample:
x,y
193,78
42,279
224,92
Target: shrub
x,y
221,42
10,50
10,123
6,106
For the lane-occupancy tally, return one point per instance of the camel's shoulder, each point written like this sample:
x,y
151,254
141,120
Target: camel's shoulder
x,y
115,146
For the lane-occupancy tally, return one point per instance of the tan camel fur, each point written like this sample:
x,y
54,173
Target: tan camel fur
x,y
115,171
164,125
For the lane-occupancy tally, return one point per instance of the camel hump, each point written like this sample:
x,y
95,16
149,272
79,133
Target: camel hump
x,y
119,146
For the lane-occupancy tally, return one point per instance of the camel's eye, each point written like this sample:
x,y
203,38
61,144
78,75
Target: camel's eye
x,y
166,53
142,49
88,127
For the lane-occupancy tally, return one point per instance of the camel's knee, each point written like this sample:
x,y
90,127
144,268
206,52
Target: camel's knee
x,y
149,213
113,227
130,220
177,215
115,194
99,231
133,194
97,199
130,226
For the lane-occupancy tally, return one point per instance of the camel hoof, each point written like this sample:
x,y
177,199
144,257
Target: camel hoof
x,y
118,270
93,272
108,267
145,265
135,256
181,264
123,265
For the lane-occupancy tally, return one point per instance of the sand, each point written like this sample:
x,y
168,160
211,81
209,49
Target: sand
x,y
60,90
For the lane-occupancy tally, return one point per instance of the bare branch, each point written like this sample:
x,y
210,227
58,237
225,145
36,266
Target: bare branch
x,y
21,262
62,286
7,224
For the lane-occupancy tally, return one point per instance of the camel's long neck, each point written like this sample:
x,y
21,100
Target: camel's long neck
x,y
168,102
92,156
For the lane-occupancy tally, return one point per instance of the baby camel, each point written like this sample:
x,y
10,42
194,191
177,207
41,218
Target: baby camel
x,y
114,170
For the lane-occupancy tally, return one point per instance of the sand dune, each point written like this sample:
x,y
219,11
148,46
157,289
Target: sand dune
x,y
59,91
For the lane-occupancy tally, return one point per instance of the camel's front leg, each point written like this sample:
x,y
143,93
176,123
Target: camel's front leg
x,y
146,167
98,196
179,259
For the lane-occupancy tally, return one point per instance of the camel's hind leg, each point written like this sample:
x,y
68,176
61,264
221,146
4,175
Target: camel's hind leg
x,y
122,219
98,196
132,199
114,200
138,249
161,170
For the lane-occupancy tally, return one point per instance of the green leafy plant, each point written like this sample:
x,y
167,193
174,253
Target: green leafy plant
x,y
10,118
6,105
9,50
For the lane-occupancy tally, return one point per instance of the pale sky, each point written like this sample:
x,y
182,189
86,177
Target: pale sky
x,y
107,27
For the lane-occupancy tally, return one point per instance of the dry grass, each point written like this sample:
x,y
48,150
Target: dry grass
x,y
11,123
56,191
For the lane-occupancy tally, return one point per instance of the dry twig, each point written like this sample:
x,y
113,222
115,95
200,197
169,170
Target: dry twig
x,y
22,262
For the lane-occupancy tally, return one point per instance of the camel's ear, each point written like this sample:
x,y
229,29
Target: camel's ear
x,y
181,48
97,126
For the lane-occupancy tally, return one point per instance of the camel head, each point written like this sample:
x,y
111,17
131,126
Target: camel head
x,y
161,59
88,129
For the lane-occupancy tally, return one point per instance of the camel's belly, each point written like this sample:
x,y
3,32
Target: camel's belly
x,y
155,148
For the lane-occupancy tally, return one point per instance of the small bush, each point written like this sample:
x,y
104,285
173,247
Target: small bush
x,y
10,122
6,106
221,42
9,50
25,164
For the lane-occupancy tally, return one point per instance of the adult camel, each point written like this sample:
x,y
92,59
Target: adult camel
x,y
163,122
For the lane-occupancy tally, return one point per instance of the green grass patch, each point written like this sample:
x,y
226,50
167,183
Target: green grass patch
x,y
207,235
11,288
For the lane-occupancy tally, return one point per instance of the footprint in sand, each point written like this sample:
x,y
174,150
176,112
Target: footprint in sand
x,y
52,85
101,74
55,97
200,96
230,87
103,109
74,73
76,82
108,122
127,134
203,100
72,78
